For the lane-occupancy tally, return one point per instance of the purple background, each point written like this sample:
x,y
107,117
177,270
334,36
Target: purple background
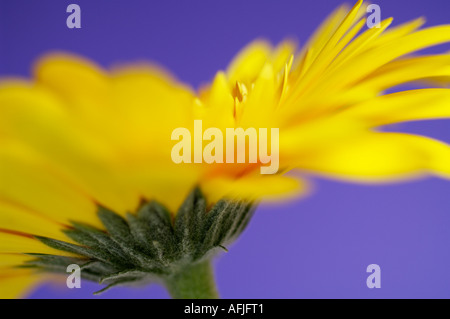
x,y
315,248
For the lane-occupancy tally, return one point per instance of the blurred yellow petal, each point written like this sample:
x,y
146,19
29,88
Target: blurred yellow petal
x,y
334,44
255,113
30,181
17,283
381,157
407,70
12,259
397,32
71,77
218,103
282,53
367,62
39,120
403,106
14,242
254,188
249,62
361,42
20,219
323,33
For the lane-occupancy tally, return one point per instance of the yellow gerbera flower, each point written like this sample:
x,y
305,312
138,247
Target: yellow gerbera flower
x,y
79,142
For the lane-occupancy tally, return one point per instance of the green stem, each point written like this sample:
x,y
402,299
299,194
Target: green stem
x,y
193,282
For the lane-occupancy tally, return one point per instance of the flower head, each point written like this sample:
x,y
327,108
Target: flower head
x,y
77,137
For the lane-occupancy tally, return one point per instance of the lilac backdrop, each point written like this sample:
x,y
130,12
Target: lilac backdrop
x,y
318,247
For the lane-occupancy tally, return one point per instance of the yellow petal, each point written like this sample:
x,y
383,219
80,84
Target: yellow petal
x,y
281,54
323,33
12,260
73,78
260,105
13,242
218,104
332,47
369,61
273,187
403,106
361,42
381,157
397,32
16,218
29,181
407,70
248,63
17,283
38,119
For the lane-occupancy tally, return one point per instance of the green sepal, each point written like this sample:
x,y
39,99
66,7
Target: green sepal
x,y
149,245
